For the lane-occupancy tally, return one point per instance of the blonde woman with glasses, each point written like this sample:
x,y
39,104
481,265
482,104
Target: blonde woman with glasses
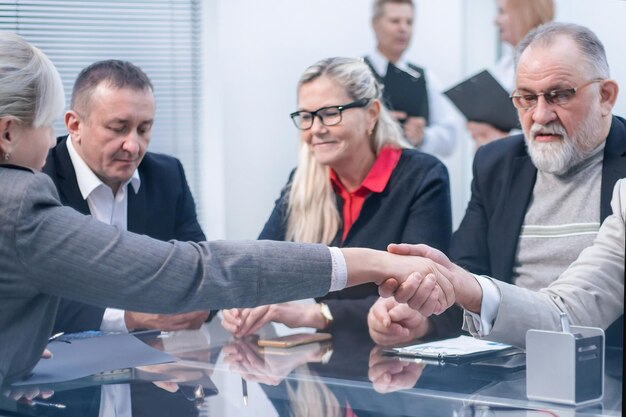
x,y
357,183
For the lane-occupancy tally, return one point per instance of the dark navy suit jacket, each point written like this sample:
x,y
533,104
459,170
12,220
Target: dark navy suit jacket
x,y
162,209
504,178
414,207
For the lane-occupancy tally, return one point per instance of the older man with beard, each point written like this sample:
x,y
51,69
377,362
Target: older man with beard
x,y
537,199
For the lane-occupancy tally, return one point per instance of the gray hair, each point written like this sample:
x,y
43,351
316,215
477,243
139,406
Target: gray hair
x,y
116,73
356,77
31,90
588,43
377,8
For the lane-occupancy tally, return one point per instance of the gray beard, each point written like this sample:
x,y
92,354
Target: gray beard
x,y
559,157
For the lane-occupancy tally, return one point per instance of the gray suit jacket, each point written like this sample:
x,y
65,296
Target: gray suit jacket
x,y
49,251
591,290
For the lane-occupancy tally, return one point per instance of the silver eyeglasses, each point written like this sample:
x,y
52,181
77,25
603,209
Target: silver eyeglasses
x,y
559,97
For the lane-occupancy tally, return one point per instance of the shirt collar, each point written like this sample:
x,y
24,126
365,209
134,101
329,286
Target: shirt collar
x,y
87,179
380,62
378,176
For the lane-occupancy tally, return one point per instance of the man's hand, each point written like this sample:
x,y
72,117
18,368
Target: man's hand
x,y
484,133
242,322
389,373
391,323
166,322
466,289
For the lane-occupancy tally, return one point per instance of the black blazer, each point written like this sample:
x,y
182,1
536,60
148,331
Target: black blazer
x,y
162,209
504,178
414,207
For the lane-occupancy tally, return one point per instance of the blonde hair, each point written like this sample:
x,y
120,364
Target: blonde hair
x,y
311,398
31,91
531,13
312,213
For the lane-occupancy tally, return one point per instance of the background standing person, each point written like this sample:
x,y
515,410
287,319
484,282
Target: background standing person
x,y
411,92
514,20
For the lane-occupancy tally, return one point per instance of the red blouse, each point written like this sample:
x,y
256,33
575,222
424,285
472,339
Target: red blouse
x,y
375,182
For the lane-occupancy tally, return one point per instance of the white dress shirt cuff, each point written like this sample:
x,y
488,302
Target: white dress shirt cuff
x,y
339,275
483,322
113,321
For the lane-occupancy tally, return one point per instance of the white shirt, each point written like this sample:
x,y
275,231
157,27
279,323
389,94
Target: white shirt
x,y
107,208
440,134
504,71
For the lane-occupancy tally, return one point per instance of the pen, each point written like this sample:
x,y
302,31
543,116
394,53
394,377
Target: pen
x,y
55,336
244,390
39,403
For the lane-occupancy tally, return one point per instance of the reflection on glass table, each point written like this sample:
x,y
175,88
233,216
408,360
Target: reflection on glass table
x,y
352,378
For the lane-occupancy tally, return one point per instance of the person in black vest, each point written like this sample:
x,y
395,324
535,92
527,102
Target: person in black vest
x,y
412,93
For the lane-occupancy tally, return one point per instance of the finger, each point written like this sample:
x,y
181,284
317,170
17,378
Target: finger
x,y
394,335
262,321
388,287
431,304
46,354
388,367
426,296
230,327
407,289
445,282
380,311
406,249
255,320
401,312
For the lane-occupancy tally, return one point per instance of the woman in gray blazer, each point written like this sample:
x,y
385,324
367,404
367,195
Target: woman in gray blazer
x,y
48,251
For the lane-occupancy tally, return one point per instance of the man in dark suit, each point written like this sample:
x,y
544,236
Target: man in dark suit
x,y
537,199
102,168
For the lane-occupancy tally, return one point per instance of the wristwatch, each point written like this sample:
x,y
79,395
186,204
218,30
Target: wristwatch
x,y
326,314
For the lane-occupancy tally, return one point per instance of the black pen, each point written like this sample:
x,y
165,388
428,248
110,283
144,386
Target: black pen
x,y
244,389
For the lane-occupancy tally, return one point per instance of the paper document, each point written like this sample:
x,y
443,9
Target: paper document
x,y
83,357
458,348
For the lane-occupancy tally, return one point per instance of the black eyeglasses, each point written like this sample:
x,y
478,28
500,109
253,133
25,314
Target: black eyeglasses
x,y
329,116
558,97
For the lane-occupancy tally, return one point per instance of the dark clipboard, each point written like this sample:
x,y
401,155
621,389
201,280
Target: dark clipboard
x,y
482,99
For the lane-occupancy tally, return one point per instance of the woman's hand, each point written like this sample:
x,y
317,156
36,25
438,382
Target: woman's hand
x,y
242,322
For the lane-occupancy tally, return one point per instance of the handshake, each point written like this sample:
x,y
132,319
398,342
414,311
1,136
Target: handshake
x,y
423,278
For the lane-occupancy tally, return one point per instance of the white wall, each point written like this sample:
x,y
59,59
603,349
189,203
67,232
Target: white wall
x,y
257,50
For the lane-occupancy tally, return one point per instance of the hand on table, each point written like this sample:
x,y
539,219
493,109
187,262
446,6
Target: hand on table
x,y
245,357
242,322
389,373
392,323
